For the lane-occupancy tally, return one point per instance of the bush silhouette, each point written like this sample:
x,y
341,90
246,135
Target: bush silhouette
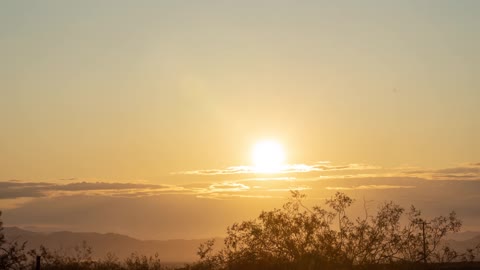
x,y
292,237
298,237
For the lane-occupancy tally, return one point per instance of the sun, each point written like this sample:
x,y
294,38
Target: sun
x,y
268,157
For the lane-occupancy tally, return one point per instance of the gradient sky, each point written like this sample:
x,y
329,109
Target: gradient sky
x,y
155,92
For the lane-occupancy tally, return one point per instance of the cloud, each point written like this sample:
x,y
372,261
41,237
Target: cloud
x,y
466,172
222,196
80,186
290,188
206,209
364,187
68,179
322,166
217,190
269,179
230,187
242,181
17,189
228,170
460,170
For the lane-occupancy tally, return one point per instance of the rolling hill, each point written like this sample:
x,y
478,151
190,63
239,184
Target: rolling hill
x,y
174,251
170,251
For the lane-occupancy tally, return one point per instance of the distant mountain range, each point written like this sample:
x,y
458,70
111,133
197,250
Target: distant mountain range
x,y
462,236
170,251
467,240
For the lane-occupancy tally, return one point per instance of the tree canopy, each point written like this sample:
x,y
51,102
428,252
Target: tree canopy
x,y
296,236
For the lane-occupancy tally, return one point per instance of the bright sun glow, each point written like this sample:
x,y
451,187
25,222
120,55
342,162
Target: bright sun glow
x,y
268,157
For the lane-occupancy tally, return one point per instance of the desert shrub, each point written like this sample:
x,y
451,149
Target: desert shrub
x,y
299,237
142,262
82,260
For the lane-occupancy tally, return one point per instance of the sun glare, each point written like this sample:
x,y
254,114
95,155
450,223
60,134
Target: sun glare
x,y
268,157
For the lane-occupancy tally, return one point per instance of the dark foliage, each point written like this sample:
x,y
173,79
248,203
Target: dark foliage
x,y
298,237
12,255
293,237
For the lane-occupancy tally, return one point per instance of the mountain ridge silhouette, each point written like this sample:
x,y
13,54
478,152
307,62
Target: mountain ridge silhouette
x,y
171,250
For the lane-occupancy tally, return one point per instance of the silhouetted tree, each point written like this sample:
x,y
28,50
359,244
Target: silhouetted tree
x,y
300,237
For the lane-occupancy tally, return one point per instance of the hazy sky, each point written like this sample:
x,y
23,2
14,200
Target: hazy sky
x,y
156,92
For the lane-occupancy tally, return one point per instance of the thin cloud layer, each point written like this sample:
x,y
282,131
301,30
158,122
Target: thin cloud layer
x,y
242,181
364,187
327,170
322,166
17,189
467,172
206,209
217,190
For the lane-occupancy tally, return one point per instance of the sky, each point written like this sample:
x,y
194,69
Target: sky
x,y
108,107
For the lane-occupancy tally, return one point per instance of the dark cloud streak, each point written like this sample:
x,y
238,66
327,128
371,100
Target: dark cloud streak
x,y
15,189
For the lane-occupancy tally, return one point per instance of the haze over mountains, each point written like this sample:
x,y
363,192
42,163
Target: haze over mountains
x,y
170,251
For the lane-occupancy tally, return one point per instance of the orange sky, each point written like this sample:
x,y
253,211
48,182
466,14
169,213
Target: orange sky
x,y
168,98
